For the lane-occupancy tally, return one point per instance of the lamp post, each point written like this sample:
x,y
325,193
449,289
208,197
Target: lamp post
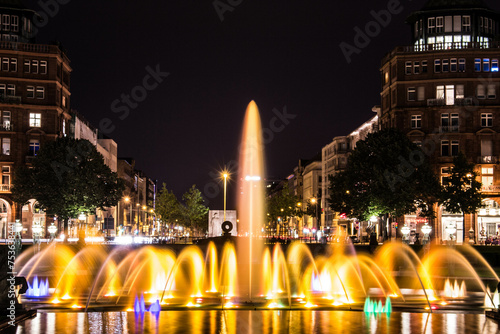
x,y
450,229
225,175
315,202
52,230
37,232
426,230
406,234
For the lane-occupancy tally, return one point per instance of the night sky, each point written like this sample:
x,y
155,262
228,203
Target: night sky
x,y
280,53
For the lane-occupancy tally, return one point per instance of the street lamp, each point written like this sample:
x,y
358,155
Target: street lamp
x,y
37,233
426,230
225,175
406,233
451,229
315,202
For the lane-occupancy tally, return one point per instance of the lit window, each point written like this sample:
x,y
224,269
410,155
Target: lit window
x,y
416,121
477,65
30,92
439,24
431,25
486,120
445,175
35,120
40,93
6,146
494,65
486,65
446,93
421,93
34,147
412,94
6,120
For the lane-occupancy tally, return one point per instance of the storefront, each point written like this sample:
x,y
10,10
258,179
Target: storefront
x,y
488,223
415,224
452,227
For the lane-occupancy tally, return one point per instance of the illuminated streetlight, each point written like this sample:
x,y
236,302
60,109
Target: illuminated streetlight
x,y
406,233
225,175
426,229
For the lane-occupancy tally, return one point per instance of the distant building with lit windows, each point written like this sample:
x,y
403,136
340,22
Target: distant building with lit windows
x,y
34,104
443,92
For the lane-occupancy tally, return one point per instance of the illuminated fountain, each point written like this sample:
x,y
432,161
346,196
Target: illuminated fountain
x,y
246,274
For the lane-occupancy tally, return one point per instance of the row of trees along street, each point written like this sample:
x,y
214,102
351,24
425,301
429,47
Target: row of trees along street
x,y
68,177
389,176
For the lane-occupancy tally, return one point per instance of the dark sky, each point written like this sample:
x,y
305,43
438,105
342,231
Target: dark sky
x,y
280,53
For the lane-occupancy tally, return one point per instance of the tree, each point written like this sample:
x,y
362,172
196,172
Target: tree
x,y
167,206
462,191
283,206
194,212
387,175
68,177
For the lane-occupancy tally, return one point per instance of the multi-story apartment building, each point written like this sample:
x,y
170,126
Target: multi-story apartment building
x,y
334,160
34,104
442,91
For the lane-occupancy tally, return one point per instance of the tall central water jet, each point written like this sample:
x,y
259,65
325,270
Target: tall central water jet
x,y
251,213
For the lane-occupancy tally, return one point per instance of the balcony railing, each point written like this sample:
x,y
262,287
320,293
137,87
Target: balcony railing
x,y
10,99
487,159
449,128
464,102
490,189
5,188
436,102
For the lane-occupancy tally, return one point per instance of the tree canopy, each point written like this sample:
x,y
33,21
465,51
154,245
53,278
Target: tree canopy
x,y
386,174
193,210
167,206
283,205
68,177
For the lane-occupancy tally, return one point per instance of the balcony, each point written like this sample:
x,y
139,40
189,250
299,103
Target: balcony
x,y
436,102
487,159
5,188
464,102
10,99
490,189
448,129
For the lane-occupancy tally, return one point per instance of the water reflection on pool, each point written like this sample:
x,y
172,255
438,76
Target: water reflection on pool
x,y
218,321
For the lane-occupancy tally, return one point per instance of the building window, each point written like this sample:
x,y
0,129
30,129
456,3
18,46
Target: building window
x,y
5,22
14,23
412,94
5,64
460,92
481,92
494,65
445,175
477,64
6,146
446,93
445,148
431,25
11,90
13,64
2,90
43,67
446,65
30,92
437,66
416,121
408,67
453,65
40,92
466,23
34,147
34,66
424,66
6,120
35,120
421,93
27,66
449,122
416,67
487,176
486,65
454,148
486,120
492,91
461,65
439,24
